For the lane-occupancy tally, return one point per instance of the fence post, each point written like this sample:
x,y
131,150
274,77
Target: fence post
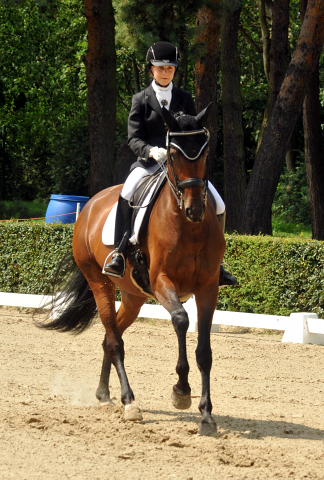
x,y
191,309
296,330
77,211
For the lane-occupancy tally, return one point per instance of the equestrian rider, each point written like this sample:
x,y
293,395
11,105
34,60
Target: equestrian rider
x,y
147,138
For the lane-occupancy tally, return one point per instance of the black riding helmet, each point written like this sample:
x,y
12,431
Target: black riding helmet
x,y
163,54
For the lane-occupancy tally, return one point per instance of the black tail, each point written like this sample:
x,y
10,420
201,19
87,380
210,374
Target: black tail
x,y
74,307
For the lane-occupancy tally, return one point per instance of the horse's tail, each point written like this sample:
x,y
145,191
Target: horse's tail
x,y
74,307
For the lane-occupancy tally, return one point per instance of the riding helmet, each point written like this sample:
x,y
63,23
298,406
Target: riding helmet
x,y
163,53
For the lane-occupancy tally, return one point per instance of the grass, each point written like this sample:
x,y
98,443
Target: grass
x,y
280,228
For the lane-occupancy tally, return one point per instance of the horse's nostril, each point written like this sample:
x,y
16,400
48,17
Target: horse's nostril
x,y
195,215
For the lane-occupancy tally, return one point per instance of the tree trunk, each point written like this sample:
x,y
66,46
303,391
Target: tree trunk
x,y
234,167
206,69
271,154
100,65
314,150
265,37
277,56
314,156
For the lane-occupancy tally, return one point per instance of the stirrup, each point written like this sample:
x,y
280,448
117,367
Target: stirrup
x,y
114,254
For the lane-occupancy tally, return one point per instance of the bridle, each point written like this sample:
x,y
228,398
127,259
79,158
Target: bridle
x,y
177,187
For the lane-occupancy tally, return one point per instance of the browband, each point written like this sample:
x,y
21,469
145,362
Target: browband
x,y
185,155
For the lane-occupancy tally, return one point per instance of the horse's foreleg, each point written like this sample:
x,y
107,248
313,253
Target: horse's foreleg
x,y
205,310
181,394
204,362
167,296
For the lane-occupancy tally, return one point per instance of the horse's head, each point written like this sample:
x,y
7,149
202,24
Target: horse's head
x,y
187,146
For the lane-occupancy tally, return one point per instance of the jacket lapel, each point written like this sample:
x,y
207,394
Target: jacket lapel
x,y
175,100
152,100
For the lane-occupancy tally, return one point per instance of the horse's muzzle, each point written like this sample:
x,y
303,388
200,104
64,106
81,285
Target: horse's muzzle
x,y
195,214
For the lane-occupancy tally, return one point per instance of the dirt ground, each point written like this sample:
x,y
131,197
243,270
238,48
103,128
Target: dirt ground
x,y
268,400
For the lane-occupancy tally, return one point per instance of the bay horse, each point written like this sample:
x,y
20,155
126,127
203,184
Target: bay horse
x,y
184,246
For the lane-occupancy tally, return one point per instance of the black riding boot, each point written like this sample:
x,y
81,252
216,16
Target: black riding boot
x,y
225,278
116,267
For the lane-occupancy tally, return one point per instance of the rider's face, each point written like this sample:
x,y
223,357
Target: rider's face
x,y
163,75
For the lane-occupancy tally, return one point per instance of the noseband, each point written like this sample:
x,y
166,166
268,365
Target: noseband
x,y
178,187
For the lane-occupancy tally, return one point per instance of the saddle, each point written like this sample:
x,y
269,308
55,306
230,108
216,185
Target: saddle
x,y
139,201
139,272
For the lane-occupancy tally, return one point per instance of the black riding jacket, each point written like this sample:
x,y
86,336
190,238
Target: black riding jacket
x,y
146,128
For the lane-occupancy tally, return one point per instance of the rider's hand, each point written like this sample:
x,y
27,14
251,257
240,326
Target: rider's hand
x,y
159,154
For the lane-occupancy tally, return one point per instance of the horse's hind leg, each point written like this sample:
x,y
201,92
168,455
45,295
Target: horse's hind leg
x,y
128,311
103,393
114,351
104,294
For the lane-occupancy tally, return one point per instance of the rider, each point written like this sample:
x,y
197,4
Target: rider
x,y
147,138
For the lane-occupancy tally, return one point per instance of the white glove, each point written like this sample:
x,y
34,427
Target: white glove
x,y
159,154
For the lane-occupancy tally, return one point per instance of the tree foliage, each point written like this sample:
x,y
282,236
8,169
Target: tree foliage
x,y
43,91
283,118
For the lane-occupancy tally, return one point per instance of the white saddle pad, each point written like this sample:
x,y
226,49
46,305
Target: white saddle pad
x,y
108,231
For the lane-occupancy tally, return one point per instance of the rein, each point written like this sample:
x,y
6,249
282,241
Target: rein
x,y
178,187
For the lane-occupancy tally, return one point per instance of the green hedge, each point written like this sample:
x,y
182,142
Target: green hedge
x,y
30,254
276,275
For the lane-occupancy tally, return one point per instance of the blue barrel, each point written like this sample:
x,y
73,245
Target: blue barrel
x,y
62,208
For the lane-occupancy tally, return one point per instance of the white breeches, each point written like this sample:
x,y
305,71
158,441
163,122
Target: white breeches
x,y
139,173
134,179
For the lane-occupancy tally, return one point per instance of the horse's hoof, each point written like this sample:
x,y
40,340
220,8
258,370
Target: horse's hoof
x,y
181,402
207,429
133,413
105,404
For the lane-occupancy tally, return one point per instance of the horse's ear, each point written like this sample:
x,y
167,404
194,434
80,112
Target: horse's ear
x,y
169,120
203,115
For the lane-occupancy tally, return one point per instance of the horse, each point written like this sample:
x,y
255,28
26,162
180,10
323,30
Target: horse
x,y
184,245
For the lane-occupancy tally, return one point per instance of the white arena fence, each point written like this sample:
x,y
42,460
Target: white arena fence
x,y
299,327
